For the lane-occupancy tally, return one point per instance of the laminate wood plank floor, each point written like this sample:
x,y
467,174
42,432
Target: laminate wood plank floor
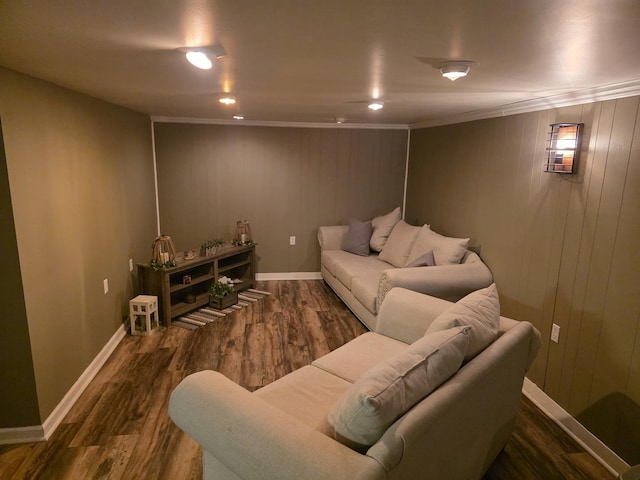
x,y
120,429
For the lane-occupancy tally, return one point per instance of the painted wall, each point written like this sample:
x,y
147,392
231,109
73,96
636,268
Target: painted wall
x,y
563,248
80,174
19,400
284,181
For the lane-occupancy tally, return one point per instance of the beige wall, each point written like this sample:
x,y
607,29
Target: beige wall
x,y
81,179
563,249
19,402
284,181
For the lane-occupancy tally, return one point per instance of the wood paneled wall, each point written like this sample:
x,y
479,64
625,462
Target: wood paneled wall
x,y
284,181
562,248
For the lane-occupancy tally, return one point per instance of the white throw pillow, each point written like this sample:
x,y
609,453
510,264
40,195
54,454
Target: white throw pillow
x,y
399,244
481,311
446,250
382,227
387,391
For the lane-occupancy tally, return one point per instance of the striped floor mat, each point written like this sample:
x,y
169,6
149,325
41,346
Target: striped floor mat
x,y
201,317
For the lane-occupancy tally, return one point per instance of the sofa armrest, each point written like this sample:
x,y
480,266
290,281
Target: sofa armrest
x,y
449,282
330,237
405,315
256,440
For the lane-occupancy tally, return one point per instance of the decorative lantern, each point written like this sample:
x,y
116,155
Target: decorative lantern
x,y
243,232
163,250
563,147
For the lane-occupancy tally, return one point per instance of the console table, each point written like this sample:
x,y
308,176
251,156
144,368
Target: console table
x,y
193,278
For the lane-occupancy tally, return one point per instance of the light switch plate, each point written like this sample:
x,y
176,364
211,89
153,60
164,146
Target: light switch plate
x,y
555,333
105,284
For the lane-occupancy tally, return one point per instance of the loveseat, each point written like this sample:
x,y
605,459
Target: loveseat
x,y
422,397
392,254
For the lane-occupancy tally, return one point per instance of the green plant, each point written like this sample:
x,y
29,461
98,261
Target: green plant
x,y
216,242
220,288
158,265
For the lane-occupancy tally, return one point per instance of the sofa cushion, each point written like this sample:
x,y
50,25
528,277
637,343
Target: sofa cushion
x,y
425,260
365,289
481,311
307,394
446,250
357,238
352,266
354,358
382,227
399,244
384,393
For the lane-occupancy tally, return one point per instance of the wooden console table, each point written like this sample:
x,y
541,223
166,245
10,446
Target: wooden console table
x,y
171,287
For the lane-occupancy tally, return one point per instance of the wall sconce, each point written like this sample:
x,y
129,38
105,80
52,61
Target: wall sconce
x,y
563,147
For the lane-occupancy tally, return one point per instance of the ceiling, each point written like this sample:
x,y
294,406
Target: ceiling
x,y
313,61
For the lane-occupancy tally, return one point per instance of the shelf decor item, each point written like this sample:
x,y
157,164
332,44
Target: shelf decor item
x,y
210,247
222,294
243,233
163,252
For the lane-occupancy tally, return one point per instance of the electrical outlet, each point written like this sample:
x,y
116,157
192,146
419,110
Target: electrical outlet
x,y
292,240
555,333
105,284
131,264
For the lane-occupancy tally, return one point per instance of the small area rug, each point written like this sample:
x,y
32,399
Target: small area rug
x,y
205,315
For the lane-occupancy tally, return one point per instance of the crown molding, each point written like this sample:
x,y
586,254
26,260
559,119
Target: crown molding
x,y
265,123
588,95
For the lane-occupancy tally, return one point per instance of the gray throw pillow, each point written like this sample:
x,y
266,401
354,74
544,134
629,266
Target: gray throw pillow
x,y
357,239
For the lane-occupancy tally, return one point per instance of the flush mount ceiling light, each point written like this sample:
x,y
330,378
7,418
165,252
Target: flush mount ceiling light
x,y
227,100
201,57
455,70
238,116
340,120
376,105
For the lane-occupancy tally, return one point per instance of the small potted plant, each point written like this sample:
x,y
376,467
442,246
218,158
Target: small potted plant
x,y
222,294
209,248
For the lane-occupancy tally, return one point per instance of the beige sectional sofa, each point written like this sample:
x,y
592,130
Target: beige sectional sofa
x,y
390,404
362,281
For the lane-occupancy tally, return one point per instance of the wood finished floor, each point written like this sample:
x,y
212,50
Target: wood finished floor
x,y
119,428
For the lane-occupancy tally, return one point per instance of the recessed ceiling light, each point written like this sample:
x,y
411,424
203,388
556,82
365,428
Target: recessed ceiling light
x,y
199,59
339,120
376,105
455,70
227,100
201,56
238,117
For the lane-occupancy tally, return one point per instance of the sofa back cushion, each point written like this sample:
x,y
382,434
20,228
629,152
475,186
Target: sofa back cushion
x,y
398,245
446,250
479,310
382,227
387,391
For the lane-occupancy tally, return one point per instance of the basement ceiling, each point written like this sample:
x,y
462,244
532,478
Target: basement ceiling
x,y
315,61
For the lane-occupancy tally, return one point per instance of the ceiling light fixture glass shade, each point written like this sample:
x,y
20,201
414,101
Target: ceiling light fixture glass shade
x,y
238,117
376,105
455,70
199,59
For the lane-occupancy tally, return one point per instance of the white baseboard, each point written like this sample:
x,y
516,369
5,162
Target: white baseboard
x,y
289,276
39,433
600,451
